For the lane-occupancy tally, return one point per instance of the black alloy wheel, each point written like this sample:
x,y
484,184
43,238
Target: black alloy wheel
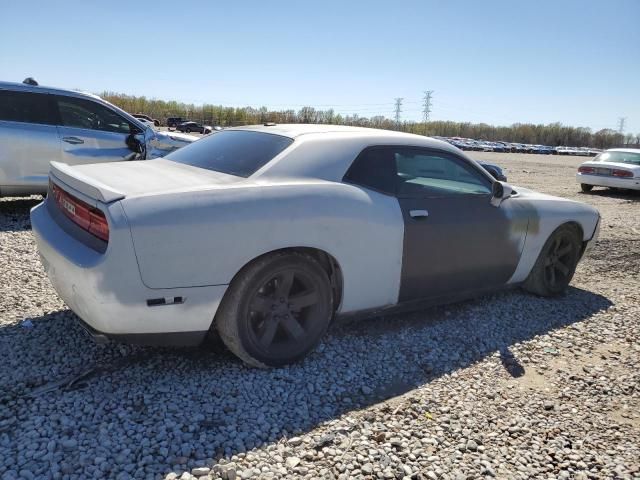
x,y
282,313
556,263
277,310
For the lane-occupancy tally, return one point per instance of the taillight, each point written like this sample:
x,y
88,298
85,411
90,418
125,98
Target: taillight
x,y
622,173
81,213
586,170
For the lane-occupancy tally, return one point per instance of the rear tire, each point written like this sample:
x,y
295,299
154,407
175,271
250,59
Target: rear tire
x,y
586,188
556,264
276,310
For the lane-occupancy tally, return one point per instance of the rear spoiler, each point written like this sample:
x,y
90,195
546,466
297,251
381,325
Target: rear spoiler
x,y
84,184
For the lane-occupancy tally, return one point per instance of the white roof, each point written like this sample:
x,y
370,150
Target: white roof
x,y
325,152
628,150
294,130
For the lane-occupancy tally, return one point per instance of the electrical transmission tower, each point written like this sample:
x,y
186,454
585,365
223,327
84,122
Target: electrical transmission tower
x,y
621,122
427,105
398,109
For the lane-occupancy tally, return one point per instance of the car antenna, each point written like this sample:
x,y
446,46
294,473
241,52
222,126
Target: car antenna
x,y
30,81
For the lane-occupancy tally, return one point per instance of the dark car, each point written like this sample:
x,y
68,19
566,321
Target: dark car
x,y
173,122
545,149
189,127
495,171
147,118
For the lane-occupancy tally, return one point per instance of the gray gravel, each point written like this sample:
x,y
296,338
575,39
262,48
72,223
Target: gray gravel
x,y
507,386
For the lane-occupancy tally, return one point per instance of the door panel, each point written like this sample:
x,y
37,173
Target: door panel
x,y
81,146
28,141
462,244
25,152
455,241
91,133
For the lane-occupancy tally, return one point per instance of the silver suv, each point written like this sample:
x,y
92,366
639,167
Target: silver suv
x,y
41,124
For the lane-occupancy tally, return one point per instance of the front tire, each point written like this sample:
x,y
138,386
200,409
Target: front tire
x,y
556,264
276,310
586,188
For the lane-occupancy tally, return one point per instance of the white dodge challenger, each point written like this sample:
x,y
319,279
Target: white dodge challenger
x,y
264,234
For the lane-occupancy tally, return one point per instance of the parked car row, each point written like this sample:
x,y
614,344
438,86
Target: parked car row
x,y
583,151
486,146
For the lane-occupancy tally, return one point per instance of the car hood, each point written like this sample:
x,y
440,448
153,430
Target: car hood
x,y
107,182
182,137
163,143
552,202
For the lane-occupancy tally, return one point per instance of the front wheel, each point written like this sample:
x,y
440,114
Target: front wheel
x,y
556,263
586,188
276,310
187,130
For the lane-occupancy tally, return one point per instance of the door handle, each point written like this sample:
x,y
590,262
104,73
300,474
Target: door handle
x,y
418,213
72,140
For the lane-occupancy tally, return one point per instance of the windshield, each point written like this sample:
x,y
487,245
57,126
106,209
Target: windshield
x,y
234,152
619,157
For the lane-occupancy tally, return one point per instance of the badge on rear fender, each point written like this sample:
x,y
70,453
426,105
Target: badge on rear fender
x,y
70,207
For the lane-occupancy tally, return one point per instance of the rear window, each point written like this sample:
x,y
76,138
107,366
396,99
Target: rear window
x,y
234,152
619,157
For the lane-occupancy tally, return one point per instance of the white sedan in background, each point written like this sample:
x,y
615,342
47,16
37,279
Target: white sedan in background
x,y
264,234
615,168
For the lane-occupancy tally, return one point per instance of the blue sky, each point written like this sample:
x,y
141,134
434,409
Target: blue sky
x,y
497,61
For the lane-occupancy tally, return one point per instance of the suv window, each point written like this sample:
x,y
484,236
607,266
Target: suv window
x,y
416,171
83,113
234,152
26,107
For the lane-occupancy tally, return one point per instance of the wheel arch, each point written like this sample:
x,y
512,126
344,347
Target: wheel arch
x,y
534,244
327,261
574,224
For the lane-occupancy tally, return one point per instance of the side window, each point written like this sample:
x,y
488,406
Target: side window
x,y
425,173
26,107
82,113
374,168
415,171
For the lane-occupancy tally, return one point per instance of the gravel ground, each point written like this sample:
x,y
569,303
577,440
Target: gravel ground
x,y
507,386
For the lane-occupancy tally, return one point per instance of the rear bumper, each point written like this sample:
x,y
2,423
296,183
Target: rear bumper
x,y
171,339
105,289
604,181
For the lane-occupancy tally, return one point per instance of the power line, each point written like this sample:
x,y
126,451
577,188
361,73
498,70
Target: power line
x,y
621,122
427,105
398,109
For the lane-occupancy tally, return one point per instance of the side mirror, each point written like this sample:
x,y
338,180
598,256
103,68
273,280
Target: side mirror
x,y
500,191
136,146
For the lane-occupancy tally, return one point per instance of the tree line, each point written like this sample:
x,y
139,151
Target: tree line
x,y
552,134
